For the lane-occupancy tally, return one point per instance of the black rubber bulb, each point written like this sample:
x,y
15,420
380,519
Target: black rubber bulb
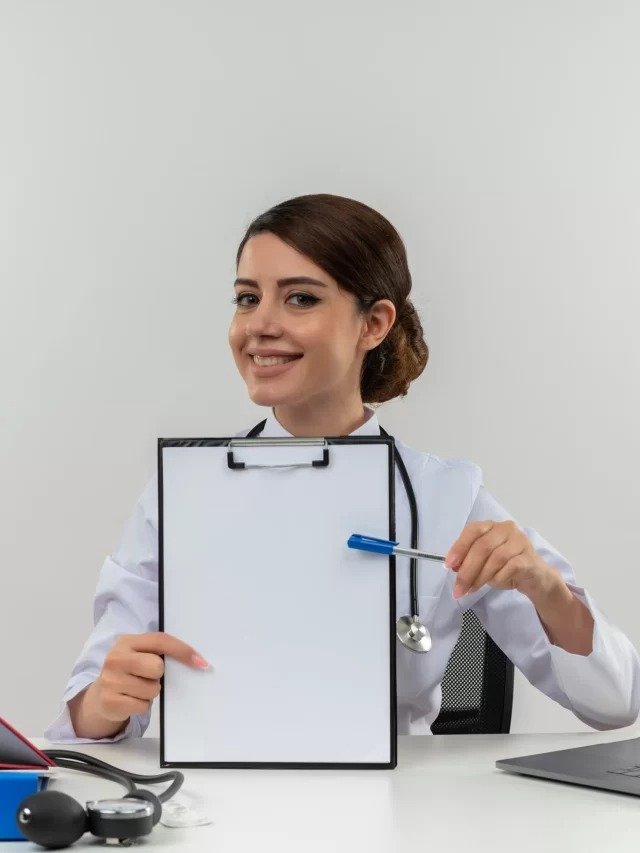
x,y
51,819
150,797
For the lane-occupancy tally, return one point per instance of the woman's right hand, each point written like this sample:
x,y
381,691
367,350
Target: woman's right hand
x,y
128,683
132,669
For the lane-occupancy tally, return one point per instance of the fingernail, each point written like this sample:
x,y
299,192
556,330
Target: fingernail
x,y
200,662
452,561
458,590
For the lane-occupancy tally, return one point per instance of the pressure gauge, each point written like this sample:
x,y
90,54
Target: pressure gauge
x,y
120,821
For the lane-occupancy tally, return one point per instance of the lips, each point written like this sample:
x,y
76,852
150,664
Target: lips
x,y
274,354
272,365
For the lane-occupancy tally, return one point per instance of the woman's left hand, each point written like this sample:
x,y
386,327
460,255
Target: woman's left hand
x,y
498,553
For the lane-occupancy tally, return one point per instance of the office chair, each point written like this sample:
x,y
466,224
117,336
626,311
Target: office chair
x,y
477,688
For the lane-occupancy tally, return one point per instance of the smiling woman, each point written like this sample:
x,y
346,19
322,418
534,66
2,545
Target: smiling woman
x,y
323,325
323,320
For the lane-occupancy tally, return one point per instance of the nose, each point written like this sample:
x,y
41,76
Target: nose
x,y
264,320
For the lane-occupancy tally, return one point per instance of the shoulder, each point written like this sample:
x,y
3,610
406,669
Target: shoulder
x,y
445,470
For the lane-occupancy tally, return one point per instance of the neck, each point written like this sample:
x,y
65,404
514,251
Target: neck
x,y
312,420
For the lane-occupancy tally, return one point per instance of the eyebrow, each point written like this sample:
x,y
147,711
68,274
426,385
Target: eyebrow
x,y
282,282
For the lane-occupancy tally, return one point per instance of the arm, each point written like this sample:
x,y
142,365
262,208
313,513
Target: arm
x,y
126,601
599,684
567,622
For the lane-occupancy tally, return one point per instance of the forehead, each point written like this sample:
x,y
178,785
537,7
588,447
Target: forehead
x,y
266,257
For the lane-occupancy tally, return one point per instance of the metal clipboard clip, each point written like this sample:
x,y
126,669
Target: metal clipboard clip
x,y
278,442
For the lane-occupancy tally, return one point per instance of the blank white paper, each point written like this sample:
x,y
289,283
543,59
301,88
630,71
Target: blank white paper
x,y
257,576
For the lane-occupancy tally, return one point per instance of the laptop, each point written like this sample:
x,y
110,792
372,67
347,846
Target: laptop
x,y
614,766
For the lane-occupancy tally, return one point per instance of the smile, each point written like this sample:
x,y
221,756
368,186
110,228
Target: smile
x,y
271,360
270,366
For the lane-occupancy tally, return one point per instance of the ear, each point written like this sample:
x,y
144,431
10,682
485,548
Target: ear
x,y
378,321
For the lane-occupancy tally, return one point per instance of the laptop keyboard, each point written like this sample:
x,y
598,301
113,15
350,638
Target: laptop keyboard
x,y
627,771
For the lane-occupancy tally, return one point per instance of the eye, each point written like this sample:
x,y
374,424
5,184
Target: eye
x,y
237,300
310,300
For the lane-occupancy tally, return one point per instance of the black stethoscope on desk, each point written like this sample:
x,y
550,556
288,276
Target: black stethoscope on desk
x,y
53,819
409,629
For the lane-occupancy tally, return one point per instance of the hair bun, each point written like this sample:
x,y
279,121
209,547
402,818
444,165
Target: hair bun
x,y
402,358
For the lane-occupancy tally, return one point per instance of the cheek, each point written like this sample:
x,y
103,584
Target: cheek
x,y
331,334
341,345
235,335
235,345
332,355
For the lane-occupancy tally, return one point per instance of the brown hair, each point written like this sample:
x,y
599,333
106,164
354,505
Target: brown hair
x,y
364,253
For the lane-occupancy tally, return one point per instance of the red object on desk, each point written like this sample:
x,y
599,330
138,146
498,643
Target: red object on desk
x,y
18,753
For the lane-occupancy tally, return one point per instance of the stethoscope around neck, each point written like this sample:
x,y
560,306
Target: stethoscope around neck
x,y
409,629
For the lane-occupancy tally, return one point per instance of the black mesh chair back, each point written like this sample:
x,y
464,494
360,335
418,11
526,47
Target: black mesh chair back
x,y
477,688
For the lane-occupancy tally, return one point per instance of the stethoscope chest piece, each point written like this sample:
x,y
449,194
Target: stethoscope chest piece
x,y
413,634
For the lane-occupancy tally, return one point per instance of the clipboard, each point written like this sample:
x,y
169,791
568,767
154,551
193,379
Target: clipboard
x,y
255,573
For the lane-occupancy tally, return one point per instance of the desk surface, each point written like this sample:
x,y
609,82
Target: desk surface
x,y
445,794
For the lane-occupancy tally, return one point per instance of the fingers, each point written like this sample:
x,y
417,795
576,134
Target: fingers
x,y
131,673
146,665
117,707
131,686
483,544
496,561
460,548
161,643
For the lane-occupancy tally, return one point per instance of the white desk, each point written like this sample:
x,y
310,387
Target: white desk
x,y
445,795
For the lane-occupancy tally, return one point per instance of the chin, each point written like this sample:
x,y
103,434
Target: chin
x,y
271,397
265,397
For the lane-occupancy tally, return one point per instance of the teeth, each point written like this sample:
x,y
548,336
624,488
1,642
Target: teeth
x,y
269,361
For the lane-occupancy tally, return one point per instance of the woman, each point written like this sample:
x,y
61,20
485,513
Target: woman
x,y
323,325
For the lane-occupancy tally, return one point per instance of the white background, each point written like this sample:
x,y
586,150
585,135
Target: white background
x,y
138,140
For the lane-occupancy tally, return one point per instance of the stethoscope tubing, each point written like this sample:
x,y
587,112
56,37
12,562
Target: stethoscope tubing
x,y
411,497
72,760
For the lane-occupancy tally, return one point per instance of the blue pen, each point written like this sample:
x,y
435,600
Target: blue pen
x,y
386,546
